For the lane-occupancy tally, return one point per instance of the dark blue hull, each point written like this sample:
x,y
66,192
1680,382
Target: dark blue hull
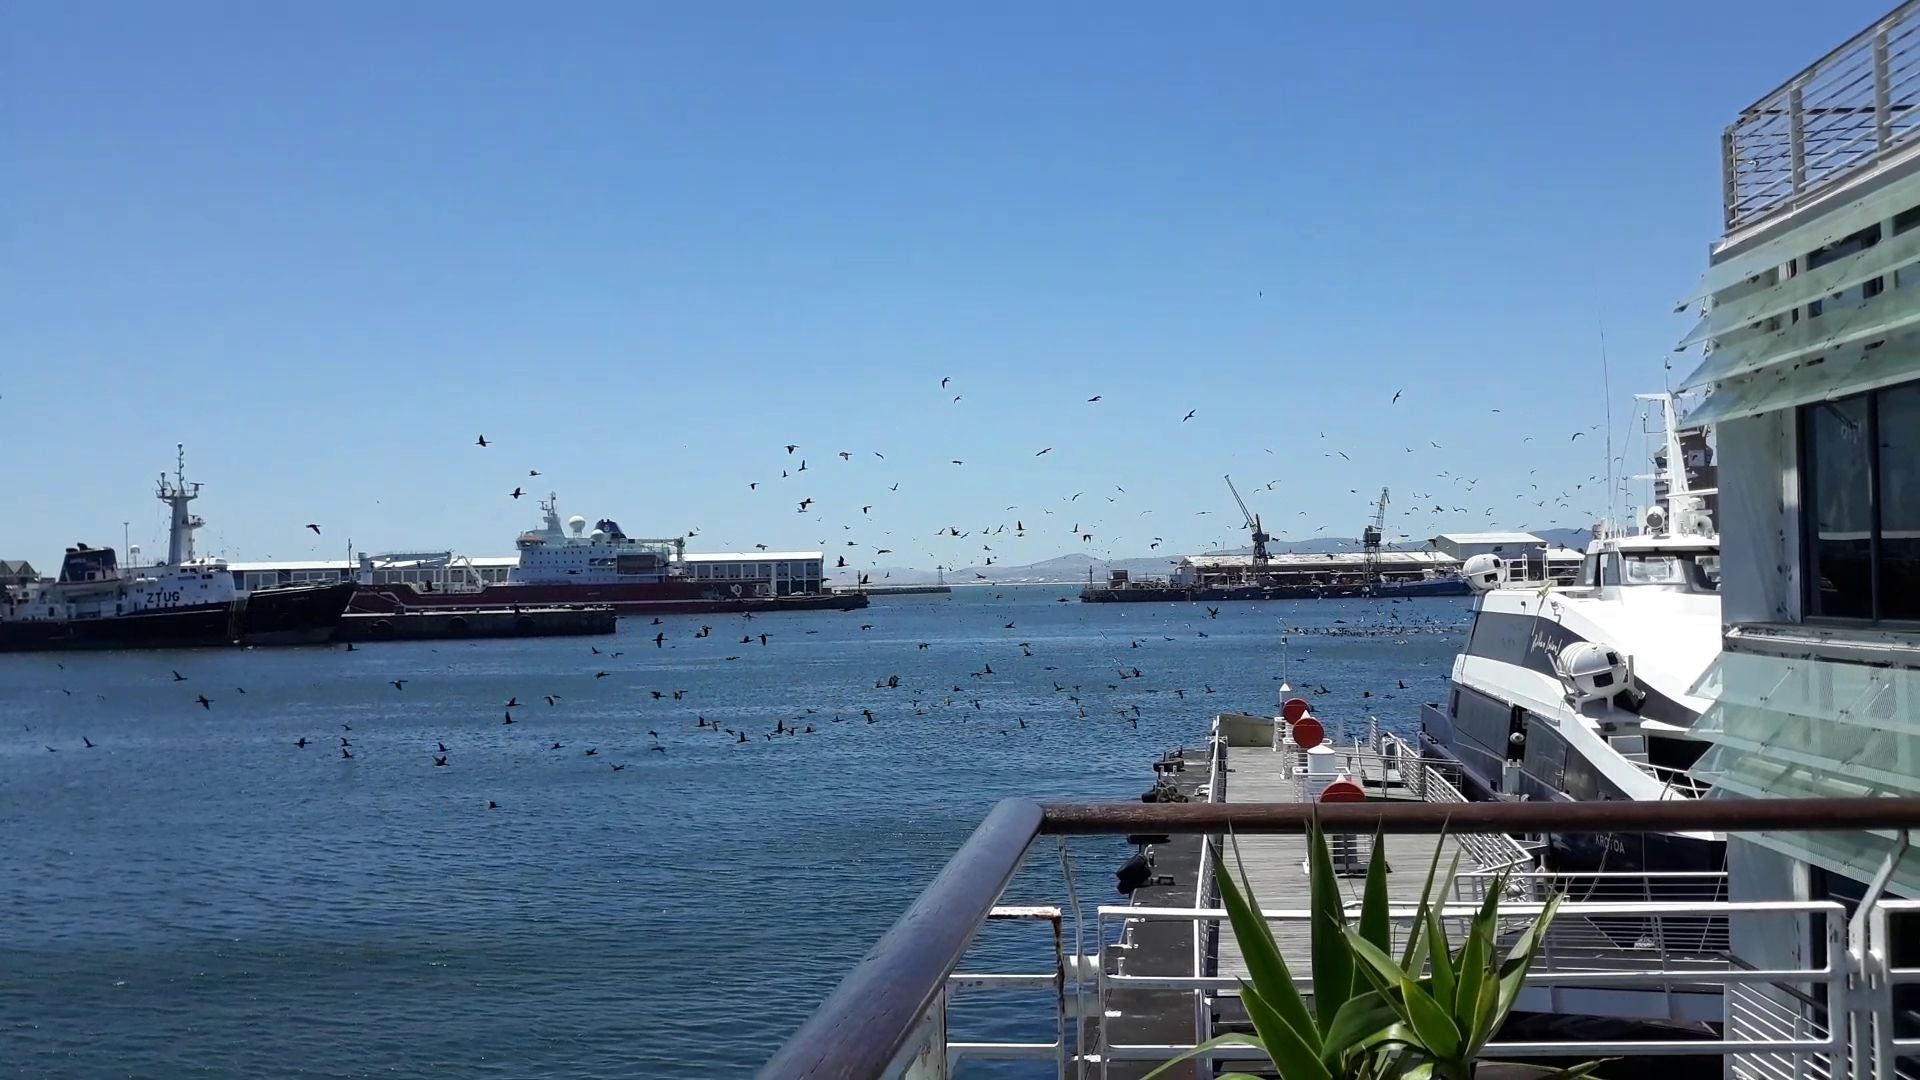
x,y
1598,853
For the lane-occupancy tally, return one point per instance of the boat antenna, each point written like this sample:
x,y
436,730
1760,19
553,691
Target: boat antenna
x,y
1606,389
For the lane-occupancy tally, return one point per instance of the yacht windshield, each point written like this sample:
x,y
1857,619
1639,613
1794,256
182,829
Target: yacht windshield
x,y
1699,573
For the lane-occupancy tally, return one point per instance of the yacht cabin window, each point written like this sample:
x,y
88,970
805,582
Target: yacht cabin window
x,y
1697,573
1860,486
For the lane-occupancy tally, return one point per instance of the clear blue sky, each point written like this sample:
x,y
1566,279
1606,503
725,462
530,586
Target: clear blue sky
x,y
642,246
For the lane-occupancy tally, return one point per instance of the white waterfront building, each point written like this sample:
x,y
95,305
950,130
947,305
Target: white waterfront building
x,y
1811,374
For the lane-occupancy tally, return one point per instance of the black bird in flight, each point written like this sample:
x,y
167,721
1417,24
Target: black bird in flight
x,y
508,720
87,741
177,677
399,684
617,768
481,441
552,698
1189,415
1048,450
301,742
1396,397
601,674
791,447
443,747
515,493
204,702
440,760
1093,399
491,805
315,528
346,754
592,752
533,472
513,703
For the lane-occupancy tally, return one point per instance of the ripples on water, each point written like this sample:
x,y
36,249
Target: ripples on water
x,y
199,896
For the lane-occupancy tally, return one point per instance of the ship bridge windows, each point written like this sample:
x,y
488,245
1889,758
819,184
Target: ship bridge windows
x,y
1696,573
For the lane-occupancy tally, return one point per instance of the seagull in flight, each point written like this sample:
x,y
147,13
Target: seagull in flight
x,y
315,528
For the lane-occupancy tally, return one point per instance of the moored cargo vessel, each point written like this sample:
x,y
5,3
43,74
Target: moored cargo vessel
x,y
568,564
184,602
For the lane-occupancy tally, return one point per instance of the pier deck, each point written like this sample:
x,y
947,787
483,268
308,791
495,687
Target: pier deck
x,y
1275,866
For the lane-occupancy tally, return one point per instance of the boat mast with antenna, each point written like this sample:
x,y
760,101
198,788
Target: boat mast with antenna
x,y
177,493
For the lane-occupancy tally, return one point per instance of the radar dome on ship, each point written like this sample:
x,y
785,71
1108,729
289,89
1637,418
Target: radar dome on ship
x,y
597,534
1482,572
576,523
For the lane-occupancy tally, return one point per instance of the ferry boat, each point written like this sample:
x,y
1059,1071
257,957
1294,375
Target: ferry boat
x,y
185,602
1585,692
569,565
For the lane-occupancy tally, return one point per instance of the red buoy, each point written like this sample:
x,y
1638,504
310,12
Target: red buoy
x,y
1343,791
1307,733
1293,709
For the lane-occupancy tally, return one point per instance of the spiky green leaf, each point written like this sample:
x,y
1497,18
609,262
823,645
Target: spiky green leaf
x,y
1288,1049
1475,960
1375,925
1233,1038
1361,1019
1513,973
1426,897
1332,964
1440,957
1574,1072
1437,1031
1266,969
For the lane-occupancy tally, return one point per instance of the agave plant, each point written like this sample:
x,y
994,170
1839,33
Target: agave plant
x,y
1428,1014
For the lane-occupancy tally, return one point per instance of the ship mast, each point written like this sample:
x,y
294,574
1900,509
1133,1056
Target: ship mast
x,y
177,493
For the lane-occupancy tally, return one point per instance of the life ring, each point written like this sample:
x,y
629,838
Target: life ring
x,y
736,590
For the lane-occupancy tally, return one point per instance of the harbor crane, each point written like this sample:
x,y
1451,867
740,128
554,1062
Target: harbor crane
x,y
1370,539
1260,537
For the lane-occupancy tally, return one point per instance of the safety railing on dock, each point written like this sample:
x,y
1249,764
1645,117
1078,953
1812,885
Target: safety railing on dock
x,y
1847,112
1831,1013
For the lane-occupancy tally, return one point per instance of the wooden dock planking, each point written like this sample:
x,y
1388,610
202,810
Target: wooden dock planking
x,y
1275,866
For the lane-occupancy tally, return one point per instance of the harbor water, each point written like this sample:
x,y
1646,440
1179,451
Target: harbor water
x,y
198,895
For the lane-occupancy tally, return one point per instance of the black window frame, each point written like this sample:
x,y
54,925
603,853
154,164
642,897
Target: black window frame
x,y
1809,538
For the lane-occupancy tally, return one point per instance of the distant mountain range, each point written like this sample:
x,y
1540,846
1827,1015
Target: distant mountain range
x,y
1076,569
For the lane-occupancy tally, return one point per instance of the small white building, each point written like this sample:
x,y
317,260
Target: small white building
x,y
1463,546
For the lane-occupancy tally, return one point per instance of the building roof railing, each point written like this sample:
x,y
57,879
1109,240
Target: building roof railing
x,y
1845,113
883,1010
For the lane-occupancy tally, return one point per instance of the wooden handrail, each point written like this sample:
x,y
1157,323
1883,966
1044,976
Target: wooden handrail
x,y
861,1027
1692,815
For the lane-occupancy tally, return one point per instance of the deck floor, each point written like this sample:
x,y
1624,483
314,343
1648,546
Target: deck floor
x,y
1275,866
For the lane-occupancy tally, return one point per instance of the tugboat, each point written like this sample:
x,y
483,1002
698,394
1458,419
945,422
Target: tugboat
x,y
182,603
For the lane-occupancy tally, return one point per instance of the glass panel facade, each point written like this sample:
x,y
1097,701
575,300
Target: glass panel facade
x,y
1899,461
1839,504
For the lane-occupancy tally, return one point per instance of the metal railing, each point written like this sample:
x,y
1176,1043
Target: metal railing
x,y
1678,782
1844,113
887,1018
1549,985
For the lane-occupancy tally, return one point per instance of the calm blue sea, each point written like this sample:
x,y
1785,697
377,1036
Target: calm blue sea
x,y
196,895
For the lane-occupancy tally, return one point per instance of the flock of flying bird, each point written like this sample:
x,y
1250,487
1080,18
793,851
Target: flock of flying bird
x,y
1026,689
858,556
901,698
